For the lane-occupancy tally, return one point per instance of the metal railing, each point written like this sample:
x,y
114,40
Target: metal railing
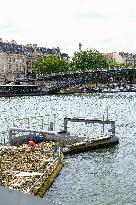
x,y
38,183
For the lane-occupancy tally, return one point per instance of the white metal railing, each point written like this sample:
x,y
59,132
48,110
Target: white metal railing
x,y
47,173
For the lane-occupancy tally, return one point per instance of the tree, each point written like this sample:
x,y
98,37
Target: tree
x,y
50,64
90,60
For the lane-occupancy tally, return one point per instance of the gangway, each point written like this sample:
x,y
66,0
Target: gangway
x,y
40,135
93,121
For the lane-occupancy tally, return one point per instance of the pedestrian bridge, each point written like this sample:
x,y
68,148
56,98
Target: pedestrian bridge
x,y
67,80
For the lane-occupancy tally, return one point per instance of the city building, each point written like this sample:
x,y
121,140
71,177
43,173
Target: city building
x,y
12,65
65,56
128,59
116,57
16,60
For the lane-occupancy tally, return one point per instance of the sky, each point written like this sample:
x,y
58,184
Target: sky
x,y
104,25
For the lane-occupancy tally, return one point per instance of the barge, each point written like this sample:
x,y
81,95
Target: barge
x,y
68,143
88,145
62,144
91,143
21,90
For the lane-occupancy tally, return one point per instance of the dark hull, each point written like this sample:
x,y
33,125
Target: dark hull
x,y
92,145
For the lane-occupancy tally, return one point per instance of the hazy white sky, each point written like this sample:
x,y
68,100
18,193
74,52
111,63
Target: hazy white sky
x,y
105,25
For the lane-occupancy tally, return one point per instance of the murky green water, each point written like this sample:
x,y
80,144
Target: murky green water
x,y
102,177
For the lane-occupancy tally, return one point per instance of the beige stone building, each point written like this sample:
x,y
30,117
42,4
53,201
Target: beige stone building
x,y
12,65
128,59
116,58
16,60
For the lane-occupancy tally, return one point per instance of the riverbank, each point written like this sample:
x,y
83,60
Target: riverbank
x,y
10,90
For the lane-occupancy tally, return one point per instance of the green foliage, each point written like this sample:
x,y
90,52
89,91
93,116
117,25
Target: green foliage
x,y
50,64
90,60
82,61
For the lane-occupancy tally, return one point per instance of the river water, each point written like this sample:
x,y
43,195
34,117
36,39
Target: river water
x,y
100,177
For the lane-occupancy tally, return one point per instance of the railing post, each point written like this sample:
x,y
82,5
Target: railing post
x,y
103,125
113,128
10,136
50,128
42,123
54,121
107,114
65,124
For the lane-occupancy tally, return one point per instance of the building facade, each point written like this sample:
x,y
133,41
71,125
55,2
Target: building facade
x,y
115,57
12,65
128,59
16,60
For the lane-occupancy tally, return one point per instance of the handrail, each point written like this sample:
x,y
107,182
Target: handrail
x,y
47,170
